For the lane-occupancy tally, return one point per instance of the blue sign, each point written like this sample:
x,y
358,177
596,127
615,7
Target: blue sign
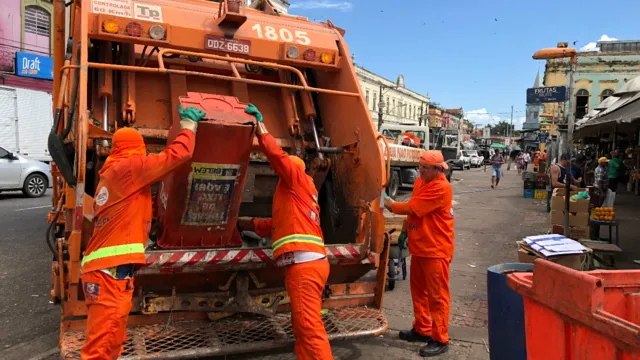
x,y
34,65
549,94
542,137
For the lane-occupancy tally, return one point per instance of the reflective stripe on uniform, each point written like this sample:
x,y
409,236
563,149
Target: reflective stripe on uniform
x,y
299,238
116,250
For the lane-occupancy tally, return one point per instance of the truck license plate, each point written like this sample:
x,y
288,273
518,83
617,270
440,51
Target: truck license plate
x,y
219,43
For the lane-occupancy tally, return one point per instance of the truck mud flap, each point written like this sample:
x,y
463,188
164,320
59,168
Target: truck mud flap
x,y
233,335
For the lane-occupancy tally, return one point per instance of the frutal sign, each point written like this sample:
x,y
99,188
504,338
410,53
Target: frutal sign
x,y
548,94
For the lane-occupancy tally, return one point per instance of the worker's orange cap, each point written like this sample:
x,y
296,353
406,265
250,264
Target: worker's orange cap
x,y
297,161
433,158
128,140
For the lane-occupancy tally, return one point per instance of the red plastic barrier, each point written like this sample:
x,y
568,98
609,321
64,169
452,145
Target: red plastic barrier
x,y
571,315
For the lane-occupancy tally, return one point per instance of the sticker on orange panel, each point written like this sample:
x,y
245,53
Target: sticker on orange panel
x,y
210,192
148,12
122,8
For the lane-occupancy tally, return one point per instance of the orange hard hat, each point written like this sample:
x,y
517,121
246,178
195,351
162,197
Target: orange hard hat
x,y
433,158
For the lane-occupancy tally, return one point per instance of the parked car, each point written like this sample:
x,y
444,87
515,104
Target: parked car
x,y
19,173
476,159
466,159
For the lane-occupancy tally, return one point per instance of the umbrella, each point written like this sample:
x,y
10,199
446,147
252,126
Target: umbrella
x,y
499,146
516,148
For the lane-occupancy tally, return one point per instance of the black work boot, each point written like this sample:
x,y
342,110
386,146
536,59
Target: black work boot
x,y
434,348
413,336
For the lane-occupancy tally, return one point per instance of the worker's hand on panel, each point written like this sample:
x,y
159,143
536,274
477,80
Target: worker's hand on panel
x,y
402,240
253,110
189,117
388,202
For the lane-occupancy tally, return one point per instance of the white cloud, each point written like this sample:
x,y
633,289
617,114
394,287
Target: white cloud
x,y
482,117
323,4
518,122
593,46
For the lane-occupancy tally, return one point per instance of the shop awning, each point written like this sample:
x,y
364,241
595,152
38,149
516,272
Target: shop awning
x,y
499,146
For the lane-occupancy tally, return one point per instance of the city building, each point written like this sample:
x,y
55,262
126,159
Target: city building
x,y
435,116
26,44
598,75
280,5
399,104
532,120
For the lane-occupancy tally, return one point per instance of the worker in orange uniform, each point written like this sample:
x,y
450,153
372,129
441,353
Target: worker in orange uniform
x,y
430,236
121,225
297,244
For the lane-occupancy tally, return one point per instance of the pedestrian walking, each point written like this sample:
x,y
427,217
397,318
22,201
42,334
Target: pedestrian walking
x,y
497,160
298,244
520,163
527,160
616,169
121,226
430,234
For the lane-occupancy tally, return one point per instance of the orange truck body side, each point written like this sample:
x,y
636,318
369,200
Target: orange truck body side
x,y
129,64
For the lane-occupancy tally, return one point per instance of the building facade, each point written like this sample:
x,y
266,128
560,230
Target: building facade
x,y
532,119
597,76
26,44
280,5
399,104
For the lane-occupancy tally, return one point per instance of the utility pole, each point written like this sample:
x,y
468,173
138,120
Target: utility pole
x,y
511,126
380,106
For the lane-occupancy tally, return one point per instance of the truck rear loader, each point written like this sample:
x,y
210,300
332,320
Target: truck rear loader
x,y
206,288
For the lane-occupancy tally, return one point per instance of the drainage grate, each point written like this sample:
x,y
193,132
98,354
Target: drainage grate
x,y
233,335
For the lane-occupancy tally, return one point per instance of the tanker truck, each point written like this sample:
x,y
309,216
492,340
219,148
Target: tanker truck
x,y
208,289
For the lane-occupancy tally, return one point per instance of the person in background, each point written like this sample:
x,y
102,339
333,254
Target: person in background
x,y
559,175
121,229
527,160
578,169
542,162
520,163
297,243
497,160
601,181
536,161
590,168
615,169
430,233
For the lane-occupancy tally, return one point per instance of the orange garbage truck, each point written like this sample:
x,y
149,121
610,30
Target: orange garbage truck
x,y
206,287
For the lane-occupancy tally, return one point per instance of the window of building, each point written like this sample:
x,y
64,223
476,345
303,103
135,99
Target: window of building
x,y
405,112
387,105
395,111
36,25
366,97
582,103
375,101
605,94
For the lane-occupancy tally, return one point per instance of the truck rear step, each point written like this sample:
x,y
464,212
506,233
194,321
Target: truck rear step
x,y
232,335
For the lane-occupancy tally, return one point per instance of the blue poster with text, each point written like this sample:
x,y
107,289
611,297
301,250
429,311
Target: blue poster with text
x,y
34,65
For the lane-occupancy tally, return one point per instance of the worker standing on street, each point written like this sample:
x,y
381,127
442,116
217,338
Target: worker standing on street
x,y
121,225
297,244
430,236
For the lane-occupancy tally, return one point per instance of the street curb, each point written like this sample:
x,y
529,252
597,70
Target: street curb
x,y
37,349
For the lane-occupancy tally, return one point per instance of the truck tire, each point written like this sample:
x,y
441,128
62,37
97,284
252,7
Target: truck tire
x,y
35,185
449,174
394,185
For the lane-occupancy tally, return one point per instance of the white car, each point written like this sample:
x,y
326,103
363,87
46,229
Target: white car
x,y
19,173
476,159
466,159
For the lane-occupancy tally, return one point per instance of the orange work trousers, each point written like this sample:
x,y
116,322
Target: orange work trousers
x,y
305,283
429,280
108,304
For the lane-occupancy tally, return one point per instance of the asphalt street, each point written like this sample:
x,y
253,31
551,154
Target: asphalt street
x,y
487,224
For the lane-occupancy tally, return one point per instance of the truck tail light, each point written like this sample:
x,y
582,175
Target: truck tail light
x,y
157,32
110,26
293,52
309,55
134,29
327,58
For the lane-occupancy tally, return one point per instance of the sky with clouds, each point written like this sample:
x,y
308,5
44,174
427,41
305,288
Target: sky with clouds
x,y
469,53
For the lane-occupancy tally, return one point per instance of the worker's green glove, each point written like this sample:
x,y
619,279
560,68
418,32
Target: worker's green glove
x,y
402,240
191,113
253,110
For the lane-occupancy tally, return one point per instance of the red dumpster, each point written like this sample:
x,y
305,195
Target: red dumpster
x,y
571,315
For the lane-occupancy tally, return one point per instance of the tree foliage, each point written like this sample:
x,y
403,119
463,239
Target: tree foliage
x,y
501,128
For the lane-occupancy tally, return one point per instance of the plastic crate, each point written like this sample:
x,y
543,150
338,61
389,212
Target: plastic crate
x,y
528,193
571,314
529,185
540,194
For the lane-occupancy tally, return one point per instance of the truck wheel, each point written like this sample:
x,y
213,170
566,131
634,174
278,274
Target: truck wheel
x,y
394,185
35,185
449,173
